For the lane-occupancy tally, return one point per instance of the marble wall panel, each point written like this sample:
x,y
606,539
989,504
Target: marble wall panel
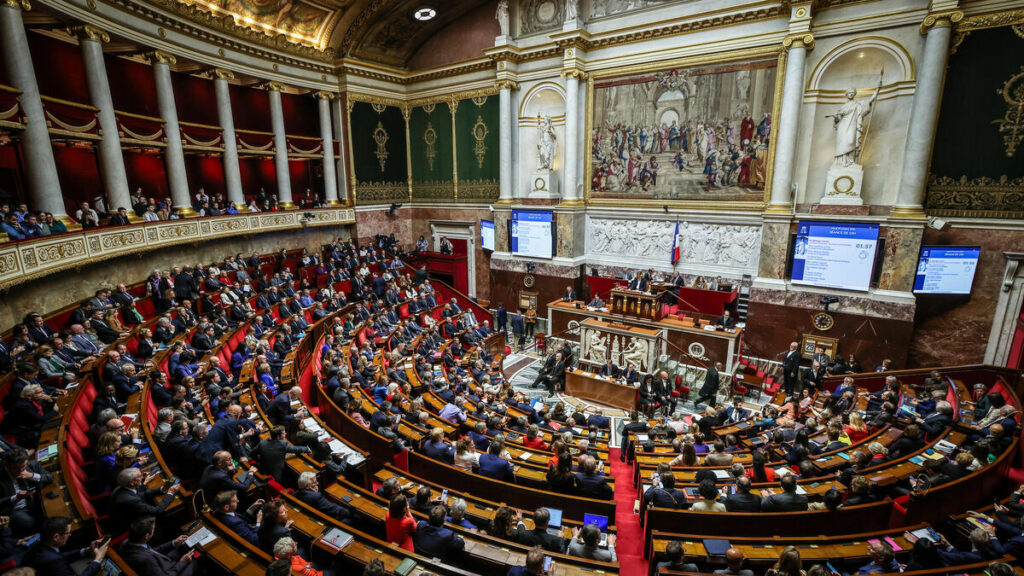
x,y
900,262
774,245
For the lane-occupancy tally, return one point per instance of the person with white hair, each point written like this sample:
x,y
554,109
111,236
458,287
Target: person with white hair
x,y
286,549
457,514
309,492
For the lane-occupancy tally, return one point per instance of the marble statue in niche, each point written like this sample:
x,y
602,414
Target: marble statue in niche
x,y
570,11
502,16
636,353
547,144
596,347
849,125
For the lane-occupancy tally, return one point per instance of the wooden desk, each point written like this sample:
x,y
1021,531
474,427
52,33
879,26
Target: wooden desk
x,y
635,304
600,390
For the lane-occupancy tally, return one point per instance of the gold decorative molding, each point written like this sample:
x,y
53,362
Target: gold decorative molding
x,y
223,73
799,40
276,87
506,84
941,19
324,95
975,197
161,57
991,20
24,261
574,73
19,4
88,32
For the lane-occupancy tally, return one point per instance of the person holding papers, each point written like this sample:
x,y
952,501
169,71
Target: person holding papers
x,y
609,370
596,302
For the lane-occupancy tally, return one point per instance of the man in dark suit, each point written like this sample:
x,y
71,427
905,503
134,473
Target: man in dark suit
x,y
937,422
569,295
501,319
130,500
788,500
539,535
710,388
592,484
534,564
280,411
743,500
144,559
272,452
219,476
736,412
635,425
725,321
309,492
433,540
599,420
494,466
223,436
555,377
226,504
20,482
45,555
790,368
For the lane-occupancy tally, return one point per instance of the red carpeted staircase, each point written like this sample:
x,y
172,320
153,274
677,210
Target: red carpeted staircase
x,y
629,544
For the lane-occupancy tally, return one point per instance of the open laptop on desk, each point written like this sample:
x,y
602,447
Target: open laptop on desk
x,y
602,525
555,522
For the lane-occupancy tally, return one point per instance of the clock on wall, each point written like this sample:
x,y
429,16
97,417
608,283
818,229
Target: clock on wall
x,y
529,281
824,321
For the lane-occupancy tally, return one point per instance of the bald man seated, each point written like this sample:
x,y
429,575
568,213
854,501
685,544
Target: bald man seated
x,y
734,560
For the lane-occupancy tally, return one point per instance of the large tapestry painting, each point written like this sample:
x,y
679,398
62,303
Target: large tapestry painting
x,y
697,133
978,163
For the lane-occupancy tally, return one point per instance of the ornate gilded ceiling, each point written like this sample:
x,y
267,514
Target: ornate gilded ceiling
x,y
380,30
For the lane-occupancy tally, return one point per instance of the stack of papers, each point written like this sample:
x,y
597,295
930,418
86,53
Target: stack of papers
x,y
525,455
200,537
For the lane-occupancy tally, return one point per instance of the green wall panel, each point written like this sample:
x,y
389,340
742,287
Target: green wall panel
x,y
476,137
379,153
430,133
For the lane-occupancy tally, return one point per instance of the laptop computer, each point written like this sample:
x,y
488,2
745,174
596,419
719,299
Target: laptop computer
x,y
555,522
601,521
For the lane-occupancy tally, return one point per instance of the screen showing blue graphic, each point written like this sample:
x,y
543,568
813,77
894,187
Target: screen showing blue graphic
x,y
946,269
835,255
487,234
531,233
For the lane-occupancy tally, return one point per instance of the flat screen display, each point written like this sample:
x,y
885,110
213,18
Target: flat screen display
x,y
531,233
487,234
835,254
946,269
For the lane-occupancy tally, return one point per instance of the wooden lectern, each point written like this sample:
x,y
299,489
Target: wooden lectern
x,y
635,304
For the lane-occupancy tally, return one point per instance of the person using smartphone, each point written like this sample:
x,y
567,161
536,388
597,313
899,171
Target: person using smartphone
x,y
45,556
170,558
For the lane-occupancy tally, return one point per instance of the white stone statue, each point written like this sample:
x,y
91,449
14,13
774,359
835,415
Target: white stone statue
x,y
547,144
502,16
636,353
848,123
570,11
597,348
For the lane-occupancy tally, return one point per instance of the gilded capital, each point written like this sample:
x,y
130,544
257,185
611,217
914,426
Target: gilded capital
x,y
453,105
574,73
162,57
941,20
19,4
798,41
89,32
223,73
275,87
506,84
324,95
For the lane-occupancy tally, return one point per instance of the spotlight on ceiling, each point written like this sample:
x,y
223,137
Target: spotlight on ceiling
x,y
424,14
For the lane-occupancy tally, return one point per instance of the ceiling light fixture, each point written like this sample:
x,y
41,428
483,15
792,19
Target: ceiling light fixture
x,y
424,14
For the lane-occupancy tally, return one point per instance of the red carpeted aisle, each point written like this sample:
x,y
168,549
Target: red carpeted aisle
x,y
630,540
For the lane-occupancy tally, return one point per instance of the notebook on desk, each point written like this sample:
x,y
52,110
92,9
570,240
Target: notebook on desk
x,y
716,547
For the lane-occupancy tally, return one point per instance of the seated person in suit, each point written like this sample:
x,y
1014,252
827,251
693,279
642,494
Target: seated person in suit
x,y
131,499
534,564
585,545
788,500
937,422
609,370
569,295
539,535
493,465
596,302
162,559
45,555
666,495
725,321
226,506
743,500
219,475
708,498
734,560
591,483
675,559
599,420
309,492
434,540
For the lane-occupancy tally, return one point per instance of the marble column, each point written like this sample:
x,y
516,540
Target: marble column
x,y
284,181
924,117
174,154
570,194
232,174
41,168
323,102
789,115
339,135
505,88
115,179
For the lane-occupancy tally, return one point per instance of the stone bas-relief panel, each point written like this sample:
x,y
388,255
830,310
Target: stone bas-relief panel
x,y
702,246
602,8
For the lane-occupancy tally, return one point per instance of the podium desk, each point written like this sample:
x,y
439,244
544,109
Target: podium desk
x,y
594,388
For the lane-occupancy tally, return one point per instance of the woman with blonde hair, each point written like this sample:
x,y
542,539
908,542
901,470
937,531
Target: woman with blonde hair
x,y
106,460
466,456
857,429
